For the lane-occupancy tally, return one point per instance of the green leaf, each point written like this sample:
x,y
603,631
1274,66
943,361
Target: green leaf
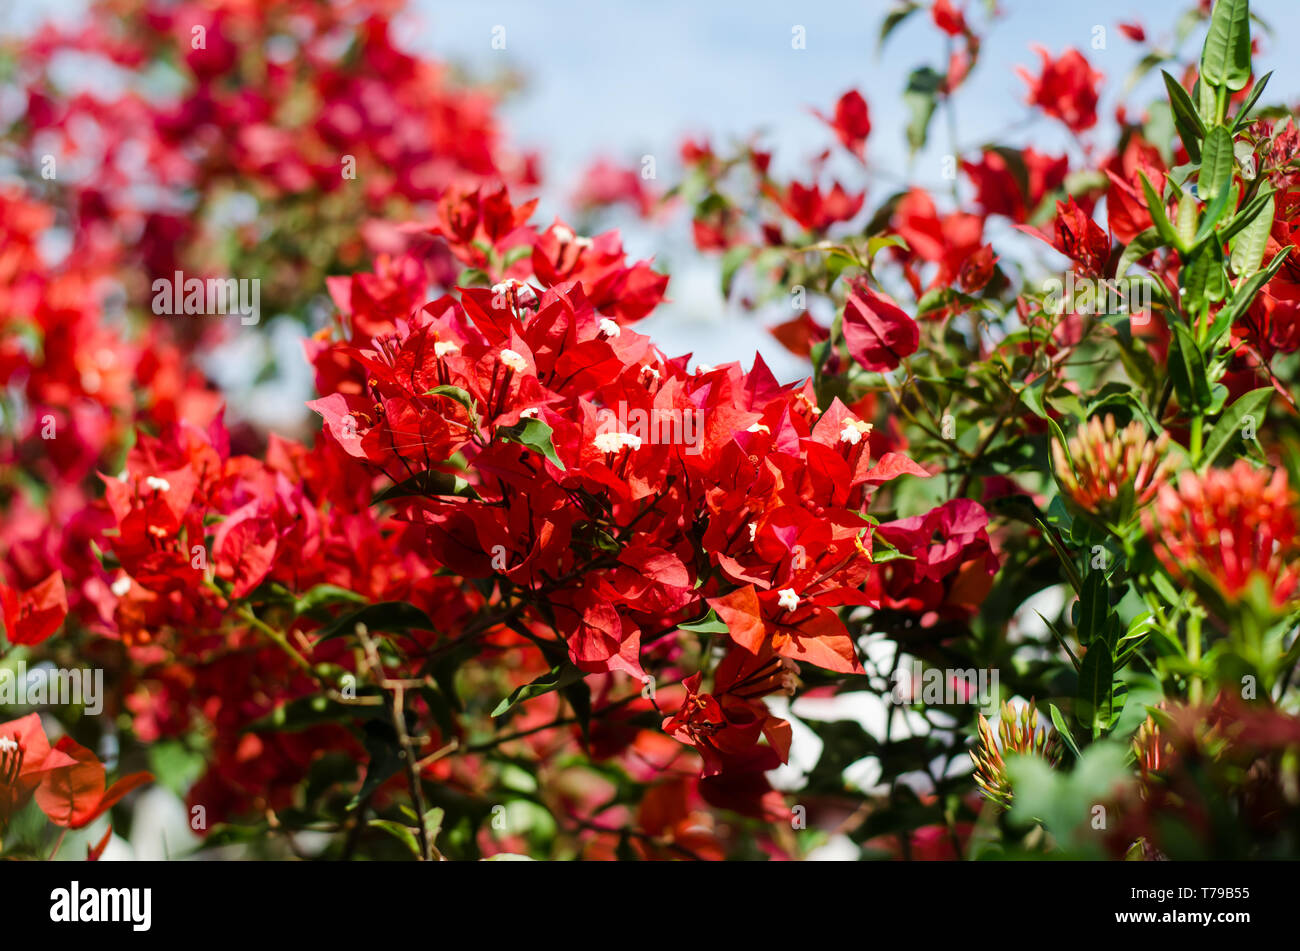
x,y
1213,213
1202,279
1094,704
382,616
556,678
305,712
1243,114
400,832
535,435
428,483
1094,606
385,759
1246,214
1156,205
1185,220
460,395
920,97
1190,128
1254,403
1216,164
1248,248
731,263
709,624
1063,730
1142,244
1244,295
892,20
322,595
1225,60
1187,367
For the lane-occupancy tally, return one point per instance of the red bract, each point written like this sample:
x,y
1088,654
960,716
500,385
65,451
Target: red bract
x,y
74,795
851,122
813,210
1000,191
1065,89
947,241
951,562
33,614
878,333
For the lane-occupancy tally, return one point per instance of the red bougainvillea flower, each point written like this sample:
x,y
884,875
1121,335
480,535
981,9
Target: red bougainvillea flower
x,y
951,564
73,794
814,210
948,18
1078,237
946,240
1110,463
789,624
999,191
878,332
26,760
1229,526
851,122
1134,31
1066,88
33,614
1126,204
728,722
605,184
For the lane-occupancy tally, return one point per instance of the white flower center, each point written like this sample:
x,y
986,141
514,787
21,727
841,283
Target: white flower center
x,y
787,599
121,586
610,328
613,442
154,482
514,361
853,431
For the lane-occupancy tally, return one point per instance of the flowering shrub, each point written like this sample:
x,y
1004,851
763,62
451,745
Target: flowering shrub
x,y
534,586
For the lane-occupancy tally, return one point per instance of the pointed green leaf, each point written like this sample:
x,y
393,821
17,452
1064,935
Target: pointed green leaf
x,y
1190,128
1216,164
534,434
1228,428
1248,248
556,678
1225,60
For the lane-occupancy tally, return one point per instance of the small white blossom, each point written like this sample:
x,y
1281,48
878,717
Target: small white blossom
x,y
514,361
758,428
753,530
788,599
121,586
530,413
613,442
853,431
444,347
610,328
154,482
8,745
564,234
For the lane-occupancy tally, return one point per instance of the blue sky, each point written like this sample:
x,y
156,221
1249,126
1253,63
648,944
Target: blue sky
x,y
623,79
628,79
